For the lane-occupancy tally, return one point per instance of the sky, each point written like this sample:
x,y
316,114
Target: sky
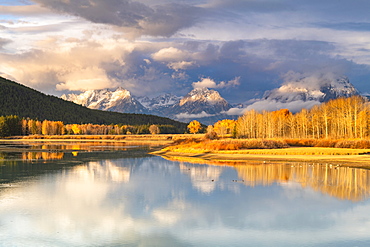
x,y
240,48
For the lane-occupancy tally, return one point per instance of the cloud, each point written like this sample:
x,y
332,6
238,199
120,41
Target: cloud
x,y
310,81
170,54
272,105
20,10
209,83
187,115
132,17
151,69
183,65
299,90
58,53
85,79
235,111
4,42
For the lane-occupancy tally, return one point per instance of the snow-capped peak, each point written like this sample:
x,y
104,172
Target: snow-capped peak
x,y
203,95
119,99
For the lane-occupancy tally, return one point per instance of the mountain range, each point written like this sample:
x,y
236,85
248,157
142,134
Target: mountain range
x,y
200,103
207,105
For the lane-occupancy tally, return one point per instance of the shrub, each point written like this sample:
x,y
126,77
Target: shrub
x,y
301,142
212,135
355,144
327,143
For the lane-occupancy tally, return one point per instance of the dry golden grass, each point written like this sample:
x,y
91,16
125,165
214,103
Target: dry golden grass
x,y
302,151
272,146
228,144
337,143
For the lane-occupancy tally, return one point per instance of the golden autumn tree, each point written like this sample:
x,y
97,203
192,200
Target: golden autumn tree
x,y
194,126
224,127
338,118
154,129
46,127
76,129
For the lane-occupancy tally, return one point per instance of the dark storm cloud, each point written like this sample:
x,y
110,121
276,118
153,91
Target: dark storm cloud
x,y
136,18
261,63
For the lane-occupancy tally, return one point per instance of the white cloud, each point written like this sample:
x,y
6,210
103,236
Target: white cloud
x,y
272,105
188,115
209,83
85,79
170,54
235,111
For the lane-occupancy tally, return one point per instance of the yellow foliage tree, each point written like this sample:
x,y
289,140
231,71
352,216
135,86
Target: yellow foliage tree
x,y
76,130
224,127
194,126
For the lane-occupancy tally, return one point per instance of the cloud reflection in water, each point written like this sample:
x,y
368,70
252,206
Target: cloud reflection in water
x,y
151,201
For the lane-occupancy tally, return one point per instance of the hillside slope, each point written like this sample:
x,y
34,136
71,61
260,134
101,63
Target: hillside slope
x,y
16,99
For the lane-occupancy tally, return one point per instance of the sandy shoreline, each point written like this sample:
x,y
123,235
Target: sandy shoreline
x,y
349,160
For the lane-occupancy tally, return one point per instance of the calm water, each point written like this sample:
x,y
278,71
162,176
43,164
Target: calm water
x,y
127,198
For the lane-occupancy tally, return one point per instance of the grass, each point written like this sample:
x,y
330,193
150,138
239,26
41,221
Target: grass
x,y
335,143
229,144
271,146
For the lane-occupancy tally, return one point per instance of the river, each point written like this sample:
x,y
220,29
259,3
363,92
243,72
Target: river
x,y
109,195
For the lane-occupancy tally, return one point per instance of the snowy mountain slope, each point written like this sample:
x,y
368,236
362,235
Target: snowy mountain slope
x,y
157,103
202,100
119,100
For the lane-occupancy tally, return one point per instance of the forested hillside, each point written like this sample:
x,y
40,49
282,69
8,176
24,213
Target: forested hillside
x,y
16,99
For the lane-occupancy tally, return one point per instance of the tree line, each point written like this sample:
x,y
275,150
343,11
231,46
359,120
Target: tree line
x,y
338,118
16,126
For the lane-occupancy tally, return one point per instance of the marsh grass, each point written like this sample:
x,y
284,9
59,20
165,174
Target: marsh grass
x,y
303,151
227,144
334,143
272,146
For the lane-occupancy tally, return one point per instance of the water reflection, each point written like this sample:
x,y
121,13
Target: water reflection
x,y
155,202
203,177
336,180
341,182
65,146
42,155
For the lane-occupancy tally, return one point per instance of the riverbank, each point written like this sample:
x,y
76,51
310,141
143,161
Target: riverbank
x,y
356,159
348,156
